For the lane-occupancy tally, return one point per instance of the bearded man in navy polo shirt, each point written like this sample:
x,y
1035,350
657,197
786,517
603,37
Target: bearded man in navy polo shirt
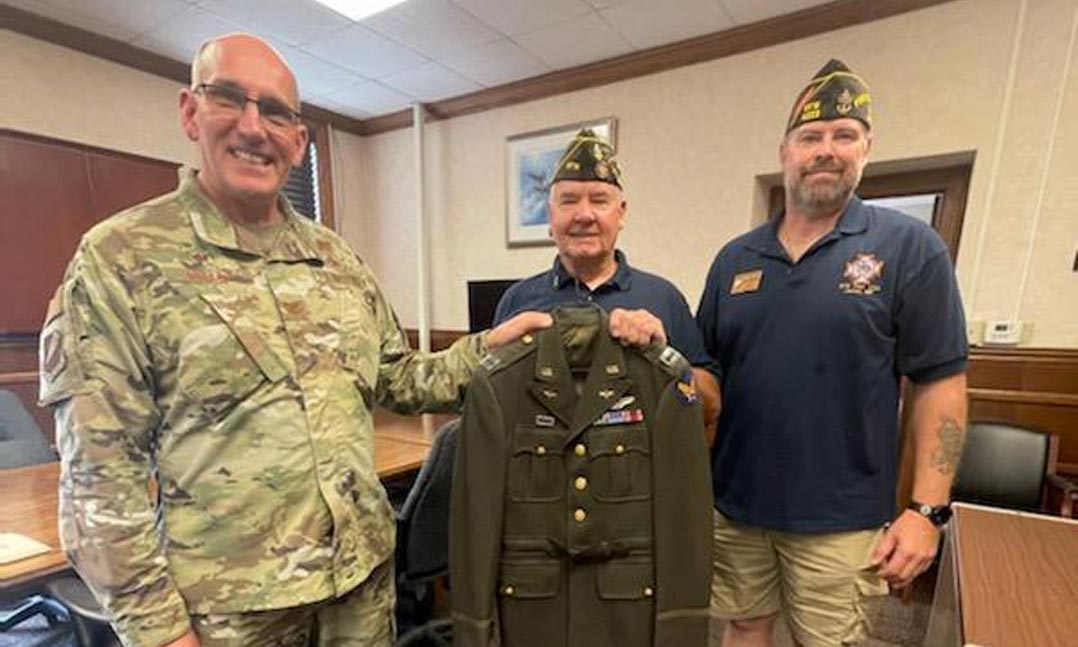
x,y
814,318
587,211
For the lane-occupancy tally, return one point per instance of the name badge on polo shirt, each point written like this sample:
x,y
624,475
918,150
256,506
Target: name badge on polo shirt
x,y
747,281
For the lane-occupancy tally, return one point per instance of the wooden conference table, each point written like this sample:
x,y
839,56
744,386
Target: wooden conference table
x,y
28,495
1006,579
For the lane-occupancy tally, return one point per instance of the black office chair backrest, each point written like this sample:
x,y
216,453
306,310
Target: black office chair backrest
x,y
423,523
21,440
1002,465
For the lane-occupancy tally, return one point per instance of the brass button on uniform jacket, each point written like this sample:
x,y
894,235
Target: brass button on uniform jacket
x,y
581,510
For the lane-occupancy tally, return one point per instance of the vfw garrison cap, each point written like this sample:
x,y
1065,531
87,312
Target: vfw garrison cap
x,y
588,157
833,93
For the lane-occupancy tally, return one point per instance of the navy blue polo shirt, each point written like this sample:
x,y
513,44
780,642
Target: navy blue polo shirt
x,y
811,354
629,288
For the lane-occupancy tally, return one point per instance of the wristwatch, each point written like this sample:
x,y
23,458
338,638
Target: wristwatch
x,y
938,515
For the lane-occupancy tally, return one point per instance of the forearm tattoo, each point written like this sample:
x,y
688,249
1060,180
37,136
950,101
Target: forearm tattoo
x,y
945,456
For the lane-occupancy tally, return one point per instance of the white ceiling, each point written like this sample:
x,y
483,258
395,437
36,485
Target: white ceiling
x,y
421,50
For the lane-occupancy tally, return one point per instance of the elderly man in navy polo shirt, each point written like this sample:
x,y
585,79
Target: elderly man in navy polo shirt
x,y
813,319
587,210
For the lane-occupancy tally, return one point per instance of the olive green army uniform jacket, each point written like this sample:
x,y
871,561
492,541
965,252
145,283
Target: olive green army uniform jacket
x,y
581,518
244,382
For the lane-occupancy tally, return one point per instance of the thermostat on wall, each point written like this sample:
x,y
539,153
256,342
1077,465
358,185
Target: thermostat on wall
x,y
1003,332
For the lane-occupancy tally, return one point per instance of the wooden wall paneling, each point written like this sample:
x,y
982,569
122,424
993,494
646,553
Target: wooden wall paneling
x,y
45,208
18,355
1028,387
121,182
53,192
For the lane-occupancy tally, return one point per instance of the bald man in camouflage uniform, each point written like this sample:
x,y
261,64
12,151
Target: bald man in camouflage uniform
x,y
214,344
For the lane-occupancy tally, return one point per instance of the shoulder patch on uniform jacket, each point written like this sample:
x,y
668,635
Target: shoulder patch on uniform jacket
x,y
507,355
672,362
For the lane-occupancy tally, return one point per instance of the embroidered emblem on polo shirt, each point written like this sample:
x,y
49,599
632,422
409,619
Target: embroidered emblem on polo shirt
x,y
746,281
862,274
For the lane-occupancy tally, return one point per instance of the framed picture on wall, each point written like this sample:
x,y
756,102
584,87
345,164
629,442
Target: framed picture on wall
x,y
529,167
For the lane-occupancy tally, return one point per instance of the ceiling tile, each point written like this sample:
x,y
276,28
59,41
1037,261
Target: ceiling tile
x,y
315,76
117,19
604,4
517,16
495,63
435,28
431,82
748,11
574,42
650,23
180,37
365,52
371,97
294,21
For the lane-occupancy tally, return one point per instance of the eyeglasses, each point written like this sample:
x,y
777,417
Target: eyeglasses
x,y
232,101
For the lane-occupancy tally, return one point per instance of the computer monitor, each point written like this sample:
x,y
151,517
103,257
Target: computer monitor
x,y
483,297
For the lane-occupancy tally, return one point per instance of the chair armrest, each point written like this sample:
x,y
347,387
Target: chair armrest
x,y
1062,483
1065,491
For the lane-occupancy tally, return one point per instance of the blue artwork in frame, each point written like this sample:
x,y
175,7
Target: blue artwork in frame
x,y
530,161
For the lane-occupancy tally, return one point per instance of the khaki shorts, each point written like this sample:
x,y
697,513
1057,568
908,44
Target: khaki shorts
x,y
363,617
818,580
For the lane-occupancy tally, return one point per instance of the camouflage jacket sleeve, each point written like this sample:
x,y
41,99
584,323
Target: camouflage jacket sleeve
x,y
95,372
412,382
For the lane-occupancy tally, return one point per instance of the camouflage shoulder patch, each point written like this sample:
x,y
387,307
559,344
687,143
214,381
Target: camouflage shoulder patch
x,y
672,362
509,354
59,378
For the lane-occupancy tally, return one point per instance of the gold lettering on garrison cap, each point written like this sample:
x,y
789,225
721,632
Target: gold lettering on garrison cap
x,y
746,282
833,93
589,157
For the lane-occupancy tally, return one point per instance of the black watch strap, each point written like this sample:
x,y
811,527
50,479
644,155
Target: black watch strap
x,y
938,514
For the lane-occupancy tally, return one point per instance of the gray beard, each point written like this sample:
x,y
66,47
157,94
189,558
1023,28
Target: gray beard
x,y
821,200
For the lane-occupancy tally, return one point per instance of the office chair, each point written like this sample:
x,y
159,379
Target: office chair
x,y
22,444
21,440
1008,466
89,620
423,545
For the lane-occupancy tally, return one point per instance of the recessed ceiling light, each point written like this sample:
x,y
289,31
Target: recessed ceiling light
x,y
359,9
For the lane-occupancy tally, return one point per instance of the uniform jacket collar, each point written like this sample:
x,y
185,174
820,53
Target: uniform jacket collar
x,y
606,379
213,228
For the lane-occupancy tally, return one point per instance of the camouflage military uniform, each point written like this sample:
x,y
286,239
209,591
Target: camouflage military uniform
x,y
245,382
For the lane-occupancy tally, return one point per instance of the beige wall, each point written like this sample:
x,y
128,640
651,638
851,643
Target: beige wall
x,y
693,142
58,92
